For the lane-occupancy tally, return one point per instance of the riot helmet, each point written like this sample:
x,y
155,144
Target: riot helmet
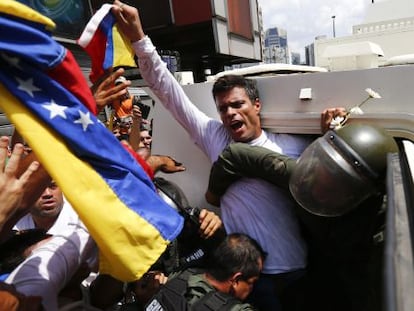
x,y
341,169
189,249
172,194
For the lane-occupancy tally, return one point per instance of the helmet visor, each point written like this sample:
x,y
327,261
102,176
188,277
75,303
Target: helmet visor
x,y
325,183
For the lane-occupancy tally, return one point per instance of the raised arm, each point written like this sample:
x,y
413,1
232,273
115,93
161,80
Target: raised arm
x,y
160,80
135,134
128,21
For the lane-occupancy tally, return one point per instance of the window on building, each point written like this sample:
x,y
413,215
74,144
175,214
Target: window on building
x,y
240,21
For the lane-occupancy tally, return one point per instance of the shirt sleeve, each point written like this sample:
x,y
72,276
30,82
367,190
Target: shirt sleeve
x,y
50,266
241,160
170,93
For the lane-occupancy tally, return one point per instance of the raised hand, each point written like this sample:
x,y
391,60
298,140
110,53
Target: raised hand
x,y
12,187
209,223
106,92
329,115
165,164
128,21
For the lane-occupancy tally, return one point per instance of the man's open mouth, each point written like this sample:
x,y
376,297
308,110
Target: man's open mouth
x,y
236,125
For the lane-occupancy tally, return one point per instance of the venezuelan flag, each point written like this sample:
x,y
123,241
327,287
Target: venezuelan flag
x,y
106,46
44,94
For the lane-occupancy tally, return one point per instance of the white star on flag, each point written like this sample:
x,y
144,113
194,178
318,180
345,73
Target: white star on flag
x,y
55,109
14,61
84,119
27,86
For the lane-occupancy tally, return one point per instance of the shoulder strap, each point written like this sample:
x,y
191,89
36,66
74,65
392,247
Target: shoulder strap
x,y
178,285
216,301
171,295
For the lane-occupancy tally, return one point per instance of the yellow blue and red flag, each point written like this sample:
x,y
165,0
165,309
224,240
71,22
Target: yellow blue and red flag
x,y
46,97
106,46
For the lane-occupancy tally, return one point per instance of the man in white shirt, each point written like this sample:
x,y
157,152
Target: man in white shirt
x,y
51,265
50,212
250,206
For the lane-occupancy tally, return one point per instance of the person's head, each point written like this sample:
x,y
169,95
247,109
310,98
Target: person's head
x,y
236,263
237,102
125,124
145,138
49,204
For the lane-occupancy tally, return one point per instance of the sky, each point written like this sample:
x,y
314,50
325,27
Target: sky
x,y
305,19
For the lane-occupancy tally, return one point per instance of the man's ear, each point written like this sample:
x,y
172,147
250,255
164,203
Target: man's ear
x,y
257,105
236,277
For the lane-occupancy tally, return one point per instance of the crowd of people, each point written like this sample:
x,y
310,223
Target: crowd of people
x,y
264,251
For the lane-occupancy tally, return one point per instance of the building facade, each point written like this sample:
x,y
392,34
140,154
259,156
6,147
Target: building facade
x,y
388,25
276,46
310,54
206,34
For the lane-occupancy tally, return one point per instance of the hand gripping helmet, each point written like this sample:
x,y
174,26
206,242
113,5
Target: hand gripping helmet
x,y
341,169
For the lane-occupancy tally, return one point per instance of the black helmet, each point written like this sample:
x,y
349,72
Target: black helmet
x,y
172,194
371,143
341,169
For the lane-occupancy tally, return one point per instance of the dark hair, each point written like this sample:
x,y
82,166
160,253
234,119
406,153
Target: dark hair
x,y
236,253
228,82
145,127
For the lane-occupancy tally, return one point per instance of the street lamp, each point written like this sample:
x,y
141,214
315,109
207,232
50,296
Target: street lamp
x,y
333,25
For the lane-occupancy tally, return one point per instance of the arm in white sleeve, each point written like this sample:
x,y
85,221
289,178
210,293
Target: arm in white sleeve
x,y
50,266
168,90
